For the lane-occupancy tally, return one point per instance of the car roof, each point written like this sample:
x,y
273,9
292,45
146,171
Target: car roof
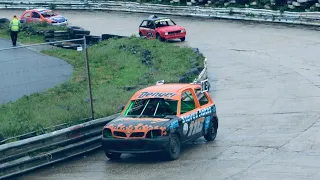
x,y
40,10
155,19
175,89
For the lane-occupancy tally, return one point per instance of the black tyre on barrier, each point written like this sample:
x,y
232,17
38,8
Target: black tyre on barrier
x,y
74,27
4,20
183,39
109,36
81,31
61,34
113,156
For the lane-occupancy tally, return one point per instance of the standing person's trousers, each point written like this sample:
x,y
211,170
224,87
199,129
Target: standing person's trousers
x,y
14,37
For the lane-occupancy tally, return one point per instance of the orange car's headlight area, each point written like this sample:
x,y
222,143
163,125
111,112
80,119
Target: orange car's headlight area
x,y
155,133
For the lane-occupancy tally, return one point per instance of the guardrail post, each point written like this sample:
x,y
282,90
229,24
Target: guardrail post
x,y
89,76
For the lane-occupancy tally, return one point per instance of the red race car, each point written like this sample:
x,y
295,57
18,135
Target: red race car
x,y
161,28
43,15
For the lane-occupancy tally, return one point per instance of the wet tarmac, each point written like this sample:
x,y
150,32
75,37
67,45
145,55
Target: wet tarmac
x,y
265,81
24,71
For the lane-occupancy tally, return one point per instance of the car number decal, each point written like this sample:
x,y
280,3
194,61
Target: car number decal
x,y
185,128
196,126
207,123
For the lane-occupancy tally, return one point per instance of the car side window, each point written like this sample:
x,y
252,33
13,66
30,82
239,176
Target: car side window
x,y
27,15
144,24
150,25
202,97
35,15
187,102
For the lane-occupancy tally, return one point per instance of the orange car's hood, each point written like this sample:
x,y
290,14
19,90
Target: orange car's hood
x,y
137,124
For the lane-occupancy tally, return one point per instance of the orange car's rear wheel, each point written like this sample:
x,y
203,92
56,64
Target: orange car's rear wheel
x,y
212,131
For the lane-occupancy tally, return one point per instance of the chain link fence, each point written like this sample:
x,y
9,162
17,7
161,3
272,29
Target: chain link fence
x,y
40,92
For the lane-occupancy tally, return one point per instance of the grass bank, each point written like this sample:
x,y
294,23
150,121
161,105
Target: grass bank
x,y
118,68
29,33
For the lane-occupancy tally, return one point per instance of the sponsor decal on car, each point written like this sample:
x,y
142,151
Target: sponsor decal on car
x,y
198,114
174,124
207,123
156,94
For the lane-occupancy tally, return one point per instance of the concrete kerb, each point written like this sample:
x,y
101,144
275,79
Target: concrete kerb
x,y
74,141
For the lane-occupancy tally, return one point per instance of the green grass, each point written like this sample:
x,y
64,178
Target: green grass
x,y
23,37
115,64
26,35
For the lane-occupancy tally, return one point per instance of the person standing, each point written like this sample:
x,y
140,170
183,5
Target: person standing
x,y
14,29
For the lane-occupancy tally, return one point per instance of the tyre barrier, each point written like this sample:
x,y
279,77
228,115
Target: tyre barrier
x,y
32,153
4,20
109,36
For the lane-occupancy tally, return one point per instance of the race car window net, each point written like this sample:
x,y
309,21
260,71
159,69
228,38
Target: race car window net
x,y
202,97
187,102
153,107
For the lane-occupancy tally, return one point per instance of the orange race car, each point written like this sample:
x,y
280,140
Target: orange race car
x,y
43,15
160,118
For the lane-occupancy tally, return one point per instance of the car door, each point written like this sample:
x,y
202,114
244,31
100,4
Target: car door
x,y
192,123
151,32
143,28
35,17
205,108
26,17
147,29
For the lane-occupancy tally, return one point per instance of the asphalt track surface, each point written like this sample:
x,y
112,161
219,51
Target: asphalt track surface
x,y
24,71
265,81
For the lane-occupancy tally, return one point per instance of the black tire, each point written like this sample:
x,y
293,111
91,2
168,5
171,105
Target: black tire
x,y
4,20
174,147
74,27
212,131
160,38
81,31
183,39
140,34
113,156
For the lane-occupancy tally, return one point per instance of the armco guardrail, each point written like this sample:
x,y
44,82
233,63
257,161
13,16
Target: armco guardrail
x,y
29,154
304,18
32,153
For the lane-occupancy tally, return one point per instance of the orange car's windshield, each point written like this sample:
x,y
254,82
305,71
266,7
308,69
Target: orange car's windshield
x,y
151,107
